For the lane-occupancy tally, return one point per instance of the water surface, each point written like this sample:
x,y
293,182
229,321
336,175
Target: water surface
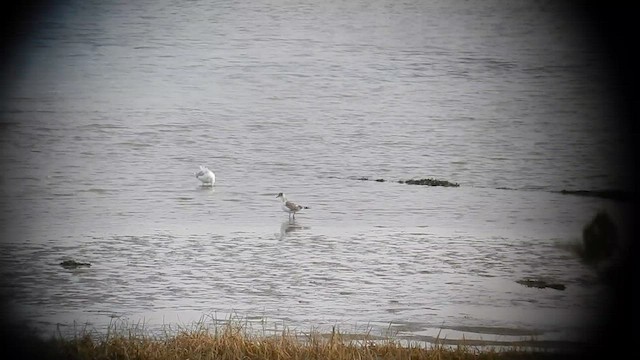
x,y
116,105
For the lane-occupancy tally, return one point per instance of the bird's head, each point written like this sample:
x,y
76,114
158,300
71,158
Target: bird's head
x,y
280,195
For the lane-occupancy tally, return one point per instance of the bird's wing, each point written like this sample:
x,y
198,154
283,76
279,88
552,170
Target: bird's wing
x,y
292,206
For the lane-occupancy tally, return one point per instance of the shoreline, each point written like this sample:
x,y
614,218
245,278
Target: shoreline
x,y
120,336
401,332
236,340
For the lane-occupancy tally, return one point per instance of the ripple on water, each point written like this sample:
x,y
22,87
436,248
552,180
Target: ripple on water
x,y
389,276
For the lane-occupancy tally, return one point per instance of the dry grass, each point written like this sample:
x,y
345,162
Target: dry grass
x,y
234,340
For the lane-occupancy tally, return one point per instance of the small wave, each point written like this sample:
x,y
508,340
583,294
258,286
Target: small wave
x,y
135,144
8,124
612,194
96,191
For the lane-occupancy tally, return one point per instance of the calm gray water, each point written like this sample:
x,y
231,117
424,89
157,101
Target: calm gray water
x,y
114,105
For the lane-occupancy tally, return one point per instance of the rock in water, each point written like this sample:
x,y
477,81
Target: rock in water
x,y
72,264
600,238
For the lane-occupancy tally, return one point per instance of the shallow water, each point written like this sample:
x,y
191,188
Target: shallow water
x,y
116,106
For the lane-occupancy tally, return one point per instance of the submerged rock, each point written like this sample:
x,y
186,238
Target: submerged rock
x,y
604,194
72,264
427,182
364,178
599,238
540,284
430,182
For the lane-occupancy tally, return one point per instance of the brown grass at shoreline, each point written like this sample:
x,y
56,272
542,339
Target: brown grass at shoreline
x,y
233,341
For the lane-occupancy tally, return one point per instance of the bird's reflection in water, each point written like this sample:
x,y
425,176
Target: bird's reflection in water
x,y
289,227
206,188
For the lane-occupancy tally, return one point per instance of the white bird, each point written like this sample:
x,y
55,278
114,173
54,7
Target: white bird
x,y
290,207
206,176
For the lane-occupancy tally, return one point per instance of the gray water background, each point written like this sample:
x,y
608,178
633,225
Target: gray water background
x,y
113,107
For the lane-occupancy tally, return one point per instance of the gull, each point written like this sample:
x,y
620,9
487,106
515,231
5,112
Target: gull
x,y
290,207
206,176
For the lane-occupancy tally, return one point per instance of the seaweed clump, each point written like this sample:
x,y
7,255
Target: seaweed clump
x,y
604,194
541,284
429,182
72,264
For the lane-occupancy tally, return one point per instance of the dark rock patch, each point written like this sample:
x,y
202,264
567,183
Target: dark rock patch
x,y
72,264
604,194
425,182
429,182
540,284
599,238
